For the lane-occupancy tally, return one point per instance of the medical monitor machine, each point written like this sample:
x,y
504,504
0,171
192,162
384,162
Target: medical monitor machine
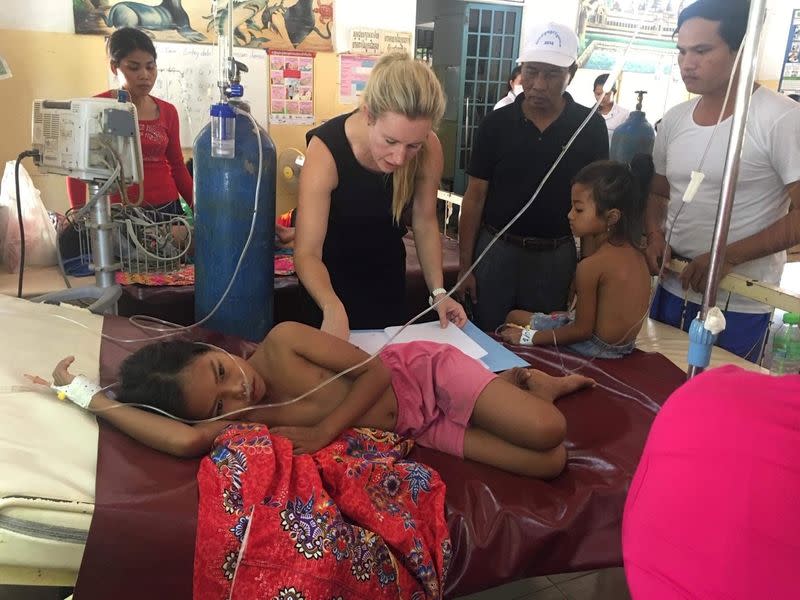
x,y
97,141
83,138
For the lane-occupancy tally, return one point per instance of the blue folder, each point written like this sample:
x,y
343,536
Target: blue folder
x,y
499,358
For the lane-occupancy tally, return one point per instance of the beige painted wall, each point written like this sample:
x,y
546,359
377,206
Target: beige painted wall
x,y
63,65
44,65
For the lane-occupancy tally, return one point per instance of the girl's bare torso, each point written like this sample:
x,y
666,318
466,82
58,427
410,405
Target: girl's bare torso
x,y
288,376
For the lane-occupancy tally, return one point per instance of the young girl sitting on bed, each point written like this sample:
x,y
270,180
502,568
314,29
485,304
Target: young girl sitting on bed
x,y
613,283
431,392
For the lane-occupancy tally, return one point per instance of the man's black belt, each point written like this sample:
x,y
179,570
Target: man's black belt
x,y
530,243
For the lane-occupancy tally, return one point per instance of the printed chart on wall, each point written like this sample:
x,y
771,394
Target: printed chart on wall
x,y
354,70
790,74
187,78
291,89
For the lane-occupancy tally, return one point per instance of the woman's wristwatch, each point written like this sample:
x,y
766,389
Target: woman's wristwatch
x,y
434,293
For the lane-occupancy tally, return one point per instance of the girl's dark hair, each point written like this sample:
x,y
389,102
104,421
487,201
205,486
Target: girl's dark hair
x,y
730,14
515,72
152,375
624,187
127,39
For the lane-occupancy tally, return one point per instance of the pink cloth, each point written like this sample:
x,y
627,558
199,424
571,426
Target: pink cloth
x,y
436,387
713,511
284,264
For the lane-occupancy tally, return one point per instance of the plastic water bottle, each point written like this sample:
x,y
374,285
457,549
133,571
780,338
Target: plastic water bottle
x,y
786,346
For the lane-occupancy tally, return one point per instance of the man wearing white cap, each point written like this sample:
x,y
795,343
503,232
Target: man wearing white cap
x,y
532,265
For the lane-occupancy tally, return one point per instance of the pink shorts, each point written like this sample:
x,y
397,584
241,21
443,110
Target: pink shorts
x,y
436,387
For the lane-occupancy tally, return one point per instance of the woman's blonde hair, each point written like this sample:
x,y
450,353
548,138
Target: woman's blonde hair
x,y
399,84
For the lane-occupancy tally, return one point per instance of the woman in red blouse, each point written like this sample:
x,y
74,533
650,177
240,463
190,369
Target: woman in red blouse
x,y
133,61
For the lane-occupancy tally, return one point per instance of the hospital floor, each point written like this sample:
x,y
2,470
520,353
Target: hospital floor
x,y
607,584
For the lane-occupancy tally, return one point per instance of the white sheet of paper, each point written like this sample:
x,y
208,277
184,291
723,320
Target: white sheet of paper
x,y
368,341
432,332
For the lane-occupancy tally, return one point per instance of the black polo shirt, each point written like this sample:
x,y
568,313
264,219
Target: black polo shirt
x,y
513,156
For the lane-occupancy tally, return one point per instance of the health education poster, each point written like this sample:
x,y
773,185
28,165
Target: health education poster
x,y
291,87
790,74
354,70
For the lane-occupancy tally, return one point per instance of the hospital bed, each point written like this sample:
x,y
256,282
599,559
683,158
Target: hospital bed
x,y
48,450
134,529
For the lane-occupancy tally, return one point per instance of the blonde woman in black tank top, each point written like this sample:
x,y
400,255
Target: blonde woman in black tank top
x,y
363,170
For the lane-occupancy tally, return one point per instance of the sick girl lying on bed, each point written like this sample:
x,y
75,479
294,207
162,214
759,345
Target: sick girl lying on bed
x,y
612,283
430,392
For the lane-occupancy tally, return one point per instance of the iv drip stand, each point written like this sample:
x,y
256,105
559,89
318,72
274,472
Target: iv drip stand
x,y
105,292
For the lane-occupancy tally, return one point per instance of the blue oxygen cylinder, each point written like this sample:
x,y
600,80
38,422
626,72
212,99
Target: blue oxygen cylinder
x,y
224,197
634,136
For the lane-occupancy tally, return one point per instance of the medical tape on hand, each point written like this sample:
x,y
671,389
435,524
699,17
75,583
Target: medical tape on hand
x,y
79,391
526,337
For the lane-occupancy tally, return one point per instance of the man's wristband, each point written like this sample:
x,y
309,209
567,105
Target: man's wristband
x,y
434,293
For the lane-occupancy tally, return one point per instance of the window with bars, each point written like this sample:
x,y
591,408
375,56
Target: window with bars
x,y
424,45
490,54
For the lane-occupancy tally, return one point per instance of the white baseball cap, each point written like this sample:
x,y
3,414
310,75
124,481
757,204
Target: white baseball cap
x,y
551,43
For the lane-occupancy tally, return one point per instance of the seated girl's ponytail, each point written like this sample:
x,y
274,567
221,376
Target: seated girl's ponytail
x,y
642,168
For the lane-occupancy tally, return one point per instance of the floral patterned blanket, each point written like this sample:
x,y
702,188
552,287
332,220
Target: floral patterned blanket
x,y
283,262
355,520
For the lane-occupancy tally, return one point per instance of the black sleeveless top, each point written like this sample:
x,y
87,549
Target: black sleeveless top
x,y
363,249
